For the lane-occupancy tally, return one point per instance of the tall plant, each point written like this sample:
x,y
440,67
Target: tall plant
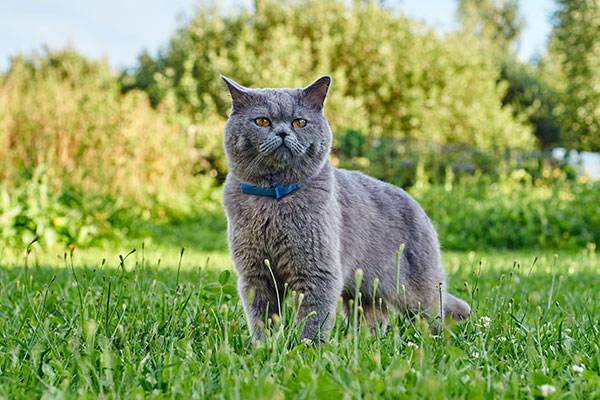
x,y
392,77
573,63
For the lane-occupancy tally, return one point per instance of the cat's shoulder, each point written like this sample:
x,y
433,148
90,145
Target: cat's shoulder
x,y
355,188
231,185
357,179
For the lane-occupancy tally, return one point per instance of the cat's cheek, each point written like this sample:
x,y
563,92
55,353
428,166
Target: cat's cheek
x,y
242,143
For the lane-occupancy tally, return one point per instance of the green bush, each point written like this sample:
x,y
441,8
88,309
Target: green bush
x,y
79,161
66,114
517,212
404,162
530,94
69,216
392,77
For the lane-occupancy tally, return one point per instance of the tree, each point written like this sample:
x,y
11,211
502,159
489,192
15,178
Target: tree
x,y
573,62
530,93
392,77
498,22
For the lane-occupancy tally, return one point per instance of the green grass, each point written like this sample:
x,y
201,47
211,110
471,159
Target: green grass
x,y
140,329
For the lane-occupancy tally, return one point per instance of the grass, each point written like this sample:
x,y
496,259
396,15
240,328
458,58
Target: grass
x,y
140,328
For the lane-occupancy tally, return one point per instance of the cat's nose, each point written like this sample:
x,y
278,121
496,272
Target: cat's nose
x,y
282,134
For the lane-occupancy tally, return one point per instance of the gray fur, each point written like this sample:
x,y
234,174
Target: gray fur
x,y
336,222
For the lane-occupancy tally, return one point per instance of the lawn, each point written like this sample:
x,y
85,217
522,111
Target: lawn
x,y
78,327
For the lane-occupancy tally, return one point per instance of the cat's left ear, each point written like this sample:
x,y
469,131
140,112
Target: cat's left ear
x,y
316,92
239,94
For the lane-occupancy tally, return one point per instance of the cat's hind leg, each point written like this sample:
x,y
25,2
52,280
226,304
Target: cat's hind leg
x,y
455,307
375,315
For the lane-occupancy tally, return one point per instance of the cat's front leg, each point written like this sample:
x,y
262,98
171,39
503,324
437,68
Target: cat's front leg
x,y
319,302
260,302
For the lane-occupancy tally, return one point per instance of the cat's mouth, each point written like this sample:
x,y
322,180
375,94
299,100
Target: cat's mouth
x,y
282,148
284,145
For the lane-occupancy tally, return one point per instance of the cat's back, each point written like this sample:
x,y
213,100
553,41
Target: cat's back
x,y
357,191
378,217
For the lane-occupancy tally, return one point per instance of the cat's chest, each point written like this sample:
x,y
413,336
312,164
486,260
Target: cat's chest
x,y
267,217
266,223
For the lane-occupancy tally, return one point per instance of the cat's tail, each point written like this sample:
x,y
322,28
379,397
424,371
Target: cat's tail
x,y
455,307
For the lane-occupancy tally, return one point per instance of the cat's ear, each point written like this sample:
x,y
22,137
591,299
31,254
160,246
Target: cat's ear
x,y
315,93
240,95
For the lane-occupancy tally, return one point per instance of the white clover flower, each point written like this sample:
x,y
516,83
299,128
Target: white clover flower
x,y
547,390
412,345
485,322
578,369
307,342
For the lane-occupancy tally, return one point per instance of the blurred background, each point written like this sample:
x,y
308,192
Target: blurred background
x,y
112,113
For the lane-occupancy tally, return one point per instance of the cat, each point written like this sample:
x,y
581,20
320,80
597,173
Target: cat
x,y
316,224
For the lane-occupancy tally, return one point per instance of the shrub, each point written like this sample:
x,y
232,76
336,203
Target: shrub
x,y
403,162
67,115
392,77
66,216
516,212
79,161
530,94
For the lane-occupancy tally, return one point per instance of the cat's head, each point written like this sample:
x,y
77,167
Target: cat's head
x,y
277,136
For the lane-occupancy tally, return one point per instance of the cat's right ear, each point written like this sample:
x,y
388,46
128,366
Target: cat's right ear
x,y
316,92
239,95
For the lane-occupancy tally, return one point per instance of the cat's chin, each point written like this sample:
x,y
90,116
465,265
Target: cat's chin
x,y
283,151
282,156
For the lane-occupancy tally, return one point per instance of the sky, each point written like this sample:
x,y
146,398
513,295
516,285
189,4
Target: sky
x,y
120,30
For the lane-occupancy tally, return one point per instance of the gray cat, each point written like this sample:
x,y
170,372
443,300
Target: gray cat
x,y
317,224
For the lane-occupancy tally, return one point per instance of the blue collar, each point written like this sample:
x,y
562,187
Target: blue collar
x,y
276,191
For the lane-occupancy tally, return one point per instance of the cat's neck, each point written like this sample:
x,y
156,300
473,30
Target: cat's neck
x,y
269,181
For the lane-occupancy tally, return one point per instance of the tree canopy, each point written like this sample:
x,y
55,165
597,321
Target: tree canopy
x,y
392,76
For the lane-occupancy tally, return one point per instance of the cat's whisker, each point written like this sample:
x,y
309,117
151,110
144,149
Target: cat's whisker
x,y
266,146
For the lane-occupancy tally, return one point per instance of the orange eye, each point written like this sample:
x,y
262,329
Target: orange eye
x,y
262,122
299,123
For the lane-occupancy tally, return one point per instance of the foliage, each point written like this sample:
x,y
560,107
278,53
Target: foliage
x,y
73,216
69,216
497,22
80,162
142,331
403,162
530,93
391,76
66,114
485,199
531,205
515,212
573,63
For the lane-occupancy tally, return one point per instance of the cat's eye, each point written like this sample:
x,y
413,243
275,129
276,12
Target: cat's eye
x,y
299,123
262,122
